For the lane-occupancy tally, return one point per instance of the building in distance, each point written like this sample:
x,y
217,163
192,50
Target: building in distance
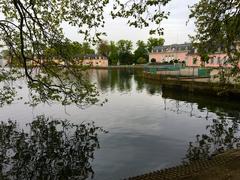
x,y
187,54
95,60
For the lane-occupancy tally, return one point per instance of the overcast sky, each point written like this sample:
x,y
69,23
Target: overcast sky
x,y
175,28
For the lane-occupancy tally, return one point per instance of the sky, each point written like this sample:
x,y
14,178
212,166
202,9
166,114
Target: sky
x,y
176,28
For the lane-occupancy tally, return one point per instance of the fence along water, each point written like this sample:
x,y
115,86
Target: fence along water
x,y
178,70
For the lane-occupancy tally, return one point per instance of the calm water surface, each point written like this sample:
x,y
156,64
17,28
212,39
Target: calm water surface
x,y
150,126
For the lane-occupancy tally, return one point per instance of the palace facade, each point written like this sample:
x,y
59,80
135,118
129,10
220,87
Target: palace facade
x,y
186,53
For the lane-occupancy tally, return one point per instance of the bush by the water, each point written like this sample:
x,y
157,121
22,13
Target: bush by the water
x,y
141,60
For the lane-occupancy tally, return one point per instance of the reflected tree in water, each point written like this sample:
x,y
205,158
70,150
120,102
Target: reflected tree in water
x,y
115,79
124,82
51,149
138,78
121,80
223,134
103,79
223,119
153,88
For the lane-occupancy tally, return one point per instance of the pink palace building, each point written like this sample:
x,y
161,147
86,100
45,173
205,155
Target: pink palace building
x,y
188,54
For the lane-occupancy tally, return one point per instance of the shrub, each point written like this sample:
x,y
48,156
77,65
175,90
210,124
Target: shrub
x,y
141,60
176,61
165,62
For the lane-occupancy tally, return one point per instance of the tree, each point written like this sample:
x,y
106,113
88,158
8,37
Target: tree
x,y
113,53
28,28
141,52
64,50
86,49
124,51
217,26
153,42
103,48
68,50
176,61
5,54
203,51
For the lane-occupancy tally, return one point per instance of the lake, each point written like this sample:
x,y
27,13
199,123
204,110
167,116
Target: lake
x,y
150,126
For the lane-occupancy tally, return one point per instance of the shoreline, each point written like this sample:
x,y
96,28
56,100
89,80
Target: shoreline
x,y
120,67
221,166
196,85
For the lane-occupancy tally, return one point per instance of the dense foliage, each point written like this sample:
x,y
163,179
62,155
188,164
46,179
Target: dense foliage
x,y
218,28
152,42
141,53
122,52
68,51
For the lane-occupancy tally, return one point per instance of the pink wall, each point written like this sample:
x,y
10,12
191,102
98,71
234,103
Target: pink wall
x,y
168,56
193,60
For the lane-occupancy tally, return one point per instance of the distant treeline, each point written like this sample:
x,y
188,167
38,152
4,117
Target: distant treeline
x,y
118,53
122,52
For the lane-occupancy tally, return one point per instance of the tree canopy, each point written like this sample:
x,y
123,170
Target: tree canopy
x,y
29,27
141,53
68,50
125,51
113,53
217,26
152,42
103,48
122,51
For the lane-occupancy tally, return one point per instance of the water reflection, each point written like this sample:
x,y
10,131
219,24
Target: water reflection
x,y
113,79
121,80
223,134
49,149
222,115
142,116
222,131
